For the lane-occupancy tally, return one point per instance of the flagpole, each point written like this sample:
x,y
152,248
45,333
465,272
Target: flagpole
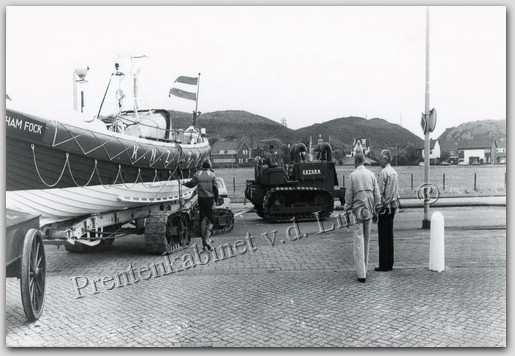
x,y
196,113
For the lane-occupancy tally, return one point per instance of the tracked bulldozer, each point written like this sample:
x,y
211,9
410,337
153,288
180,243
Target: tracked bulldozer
x,y
302,190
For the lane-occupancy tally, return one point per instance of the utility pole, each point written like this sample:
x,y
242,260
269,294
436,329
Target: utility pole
x,y
426,223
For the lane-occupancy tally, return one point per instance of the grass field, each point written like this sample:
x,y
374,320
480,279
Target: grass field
x,y
459,180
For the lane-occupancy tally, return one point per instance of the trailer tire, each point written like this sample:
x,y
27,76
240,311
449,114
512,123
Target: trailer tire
x,y
32,276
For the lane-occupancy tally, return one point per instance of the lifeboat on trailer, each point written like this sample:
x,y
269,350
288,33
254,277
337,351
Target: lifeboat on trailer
x,y
61,169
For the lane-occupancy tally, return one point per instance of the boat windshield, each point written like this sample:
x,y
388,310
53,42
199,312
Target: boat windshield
x,y
147,124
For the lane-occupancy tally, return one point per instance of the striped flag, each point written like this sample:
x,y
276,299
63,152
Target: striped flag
x,y
183,93
187,80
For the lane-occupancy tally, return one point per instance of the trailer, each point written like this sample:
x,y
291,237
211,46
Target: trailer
x,y
167,226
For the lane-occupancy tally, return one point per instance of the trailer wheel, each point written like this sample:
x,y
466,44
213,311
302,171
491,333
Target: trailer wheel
x,y
32,278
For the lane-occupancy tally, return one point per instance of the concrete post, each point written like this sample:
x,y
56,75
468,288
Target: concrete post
x,y
437,243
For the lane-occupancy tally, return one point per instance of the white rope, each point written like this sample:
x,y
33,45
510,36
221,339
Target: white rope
x,y
112,185
153,180
90,178
39,174
133,184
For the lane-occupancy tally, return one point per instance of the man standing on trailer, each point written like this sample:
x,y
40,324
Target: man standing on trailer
x,y
207,192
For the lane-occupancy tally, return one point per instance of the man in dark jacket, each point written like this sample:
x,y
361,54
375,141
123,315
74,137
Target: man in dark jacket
x,y
207,191
388,183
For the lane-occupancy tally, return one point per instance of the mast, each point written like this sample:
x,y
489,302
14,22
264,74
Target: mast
x,y
196,113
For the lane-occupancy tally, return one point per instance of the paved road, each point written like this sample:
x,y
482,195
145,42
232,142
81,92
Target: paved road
x,y
296,293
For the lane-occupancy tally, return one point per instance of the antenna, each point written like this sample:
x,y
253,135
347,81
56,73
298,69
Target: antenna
x,y
79,78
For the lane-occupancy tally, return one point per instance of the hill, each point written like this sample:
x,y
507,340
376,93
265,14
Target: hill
x,y
473,130
342,131
232,124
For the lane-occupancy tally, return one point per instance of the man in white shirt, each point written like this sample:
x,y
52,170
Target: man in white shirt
x,y
361,198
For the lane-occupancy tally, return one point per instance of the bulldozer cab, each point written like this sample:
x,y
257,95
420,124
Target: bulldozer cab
x,y
270,176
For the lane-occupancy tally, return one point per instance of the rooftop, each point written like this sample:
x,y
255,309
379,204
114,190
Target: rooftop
x,y
476,143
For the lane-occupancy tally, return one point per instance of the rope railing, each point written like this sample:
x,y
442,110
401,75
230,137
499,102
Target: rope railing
x,y
119,175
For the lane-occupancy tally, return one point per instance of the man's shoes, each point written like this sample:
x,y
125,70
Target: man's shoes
x,y
362,280
208,247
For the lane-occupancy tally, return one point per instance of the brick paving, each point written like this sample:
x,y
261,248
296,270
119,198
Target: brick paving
x,y
295,294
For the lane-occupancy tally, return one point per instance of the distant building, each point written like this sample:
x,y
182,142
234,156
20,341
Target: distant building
x,y
450,147
231,153
499,157
478,150
361,144
434,150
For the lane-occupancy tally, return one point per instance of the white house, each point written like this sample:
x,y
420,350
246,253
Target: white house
x,y
478,150
434,150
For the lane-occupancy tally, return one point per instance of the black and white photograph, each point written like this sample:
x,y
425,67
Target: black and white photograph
x,y
229,176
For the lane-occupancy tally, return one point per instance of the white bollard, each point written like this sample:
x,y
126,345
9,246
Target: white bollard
x,y
437,243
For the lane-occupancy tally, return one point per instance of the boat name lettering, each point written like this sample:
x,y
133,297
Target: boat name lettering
x,y
135,151
25,124
310,171
153,155
167,156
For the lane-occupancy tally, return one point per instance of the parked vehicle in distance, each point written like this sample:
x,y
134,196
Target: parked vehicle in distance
x,y
444,163
463,163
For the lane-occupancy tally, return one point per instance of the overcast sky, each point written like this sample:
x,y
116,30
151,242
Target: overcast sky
x,y
304,64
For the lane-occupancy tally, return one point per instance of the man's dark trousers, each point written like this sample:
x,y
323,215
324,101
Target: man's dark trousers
x,y
385,227
205,206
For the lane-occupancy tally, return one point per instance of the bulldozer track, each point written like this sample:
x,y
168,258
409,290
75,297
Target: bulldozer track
x,y
287,217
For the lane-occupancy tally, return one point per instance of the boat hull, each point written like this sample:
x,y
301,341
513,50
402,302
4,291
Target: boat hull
x,y
61,204
61,171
